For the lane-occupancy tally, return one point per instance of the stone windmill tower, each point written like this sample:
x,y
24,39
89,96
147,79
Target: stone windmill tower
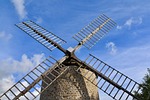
x,y
69,78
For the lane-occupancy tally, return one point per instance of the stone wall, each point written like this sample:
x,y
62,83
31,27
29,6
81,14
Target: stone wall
x,y
72,86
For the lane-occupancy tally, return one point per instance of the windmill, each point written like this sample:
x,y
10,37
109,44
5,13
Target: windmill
x,y
69,78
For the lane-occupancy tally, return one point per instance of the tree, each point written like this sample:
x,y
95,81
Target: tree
x,y
145,91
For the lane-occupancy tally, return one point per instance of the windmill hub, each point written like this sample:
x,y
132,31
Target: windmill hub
x,y
70,49
70,53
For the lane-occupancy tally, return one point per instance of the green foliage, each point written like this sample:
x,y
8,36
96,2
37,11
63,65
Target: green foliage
x,y
145,91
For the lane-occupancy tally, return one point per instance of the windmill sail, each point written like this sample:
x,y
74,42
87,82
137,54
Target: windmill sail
x,y
46,38
92,33
111,81
30,86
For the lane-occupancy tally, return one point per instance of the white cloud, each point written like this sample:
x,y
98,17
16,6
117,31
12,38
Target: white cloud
x,y
20,8
9,81
132,21
10,66
6,83
5,36
37,58
111,48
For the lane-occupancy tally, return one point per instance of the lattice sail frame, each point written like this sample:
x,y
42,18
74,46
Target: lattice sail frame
x,y
43,36
93,32
111,81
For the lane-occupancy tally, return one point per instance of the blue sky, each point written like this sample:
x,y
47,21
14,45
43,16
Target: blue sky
x,y
126,47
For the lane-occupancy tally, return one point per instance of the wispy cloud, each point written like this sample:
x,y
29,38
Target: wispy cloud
x,y
111,48
135,21
20,8
130,22
5,36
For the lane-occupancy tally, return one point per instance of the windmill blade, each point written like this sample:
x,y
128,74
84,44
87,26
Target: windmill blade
x,y
111,81
46,38
30,86
92,33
